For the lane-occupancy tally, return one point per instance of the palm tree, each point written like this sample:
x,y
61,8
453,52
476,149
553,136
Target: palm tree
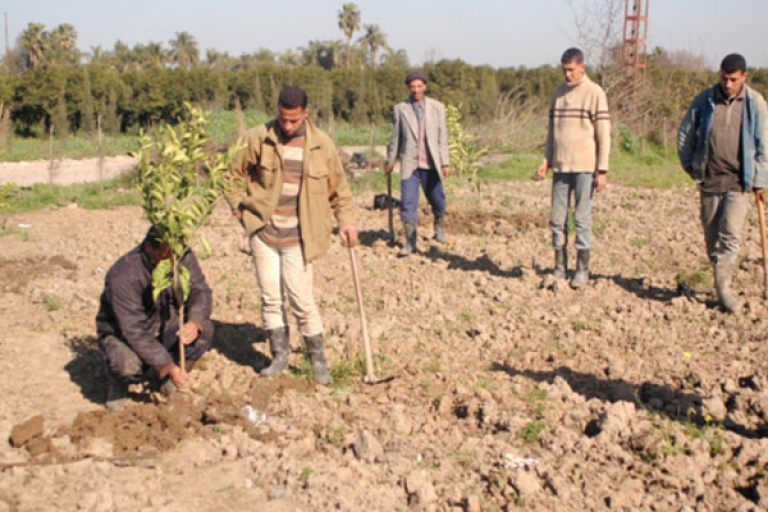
x,y
123,57
65,37
97,55
184,51
395,58
349,23
33,44
154,55
373,40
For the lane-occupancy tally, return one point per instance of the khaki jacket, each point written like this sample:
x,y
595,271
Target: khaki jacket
x,y
256,182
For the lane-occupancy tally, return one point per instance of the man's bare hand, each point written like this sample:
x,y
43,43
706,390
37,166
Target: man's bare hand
x,y
446,171
760,195
188,333
178,376
239,217
388,168
541,172
600,180
348,235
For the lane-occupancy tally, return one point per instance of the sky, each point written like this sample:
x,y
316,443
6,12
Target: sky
x,y
499,33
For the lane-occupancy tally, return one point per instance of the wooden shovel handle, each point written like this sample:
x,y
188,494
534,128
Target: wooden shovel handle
x,y
763,242
369,376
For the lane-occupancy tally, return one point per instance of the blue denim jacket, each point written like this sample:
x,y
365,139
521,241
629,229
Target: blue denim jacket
x,y
693,137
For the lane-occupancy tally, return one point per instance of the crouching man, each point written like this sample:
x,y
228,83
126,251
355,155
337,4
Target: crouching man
x,y
136,333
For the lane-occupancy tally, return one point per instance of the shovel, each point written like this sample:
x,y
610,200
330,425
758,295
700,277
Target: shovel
x,y
369,377
763,242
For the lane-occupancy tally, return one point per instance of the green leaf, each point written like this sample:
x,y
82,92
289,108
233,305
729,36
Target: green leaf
x,y
185,283
161,278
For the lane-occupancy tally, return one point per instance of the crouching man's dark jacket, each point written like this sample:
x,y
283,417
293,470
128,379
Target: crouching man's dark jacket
x,y
128,312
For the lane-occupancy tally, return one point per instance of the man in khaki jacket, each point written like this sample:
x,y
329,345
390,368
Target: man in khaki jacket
x,y
284,188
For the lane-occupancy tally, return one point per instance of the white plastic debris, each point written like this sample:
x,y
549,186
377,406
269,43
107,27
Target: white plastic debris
x,y
25,226
254,416
512,461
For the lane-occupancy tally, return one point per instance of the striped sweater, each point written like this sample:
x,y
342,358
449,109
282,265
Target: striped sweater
x,y
579,135
282,229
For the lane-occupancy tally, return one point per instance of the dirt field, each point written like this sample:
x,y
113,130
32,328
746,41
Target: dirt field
x,y
509,392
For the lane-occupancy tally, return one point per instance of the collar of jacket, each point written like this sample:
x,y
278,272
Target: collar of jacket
x,y
274,137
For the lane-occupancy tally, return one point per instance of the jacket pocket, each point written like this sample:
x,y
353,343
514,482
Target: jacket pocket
x,y
317,182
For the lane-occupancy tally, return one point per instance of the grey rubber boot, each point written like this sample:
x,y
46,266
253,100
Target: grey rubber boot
x,y
410,240
723,279
581,277
561,263
117,393
316,352
280,347
440,229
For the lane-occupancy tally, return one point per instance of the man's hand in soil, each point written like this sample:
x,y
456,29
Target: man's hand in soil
x,y
600,180
348,235
189,333
178,376
541,172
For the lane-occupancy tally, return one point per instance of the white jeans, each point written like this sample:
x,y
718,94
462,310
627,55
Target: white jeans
x,y
284,269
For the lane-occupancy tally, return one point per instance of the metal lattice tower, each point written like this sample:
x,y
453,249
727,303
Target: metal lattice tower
x,y
634,49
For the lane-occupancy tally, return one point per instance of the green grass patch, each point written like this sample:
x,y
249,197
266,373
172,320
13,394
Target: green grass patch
x,y
352,135
21,149
531,431
93,196
652,169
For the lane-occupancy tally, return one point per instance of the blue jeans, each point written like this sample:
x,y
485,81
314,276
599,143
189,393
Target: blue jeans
x,y
429,180
581,185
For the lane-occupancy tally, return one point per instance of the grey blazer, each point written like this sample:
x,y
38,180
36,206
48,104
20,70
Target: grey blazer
x,y
404,143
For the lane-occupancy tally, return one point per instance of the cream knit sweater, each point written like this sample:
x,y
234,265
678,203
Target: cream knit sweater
x,y
579,135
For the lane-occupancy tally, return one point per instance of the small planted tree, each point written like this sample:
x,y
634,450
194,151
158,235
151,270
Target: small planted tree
x,y
464,149
180,181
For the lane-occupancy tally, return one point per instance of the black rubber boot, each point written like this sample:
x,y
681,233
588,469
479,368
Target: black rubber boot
x,y
561,263
410,240
280,347
581,277
440,230
316,352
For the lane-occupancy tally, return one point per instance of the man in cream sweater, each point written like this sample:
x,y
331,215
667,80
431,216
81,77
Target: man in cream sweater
x,y
577,150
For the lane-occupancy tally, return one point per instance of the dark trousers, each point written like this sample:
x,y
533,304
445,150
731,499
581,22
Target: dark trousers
x,y
123,362
429,181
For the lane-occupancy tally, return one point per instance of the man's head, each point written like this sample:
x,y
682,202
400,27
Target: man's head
x,y
417,84
573,65
292,109
156,250
733,74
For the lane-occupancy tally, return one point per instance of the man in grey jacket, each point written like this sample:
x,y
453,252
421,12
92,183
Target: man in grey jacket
x,y
420,142
136,333
722,146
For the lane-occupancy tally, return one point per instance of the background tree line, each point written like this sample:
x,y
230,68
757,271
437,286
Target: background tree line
x,y
48,82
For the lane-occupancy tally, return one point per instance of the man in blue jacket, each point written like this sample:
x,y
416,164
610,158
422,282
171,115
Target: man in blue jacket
x,y
722,146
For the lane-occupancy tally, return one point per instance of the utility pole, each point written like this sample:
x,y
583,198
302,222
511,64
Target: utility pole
x,y
634,48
